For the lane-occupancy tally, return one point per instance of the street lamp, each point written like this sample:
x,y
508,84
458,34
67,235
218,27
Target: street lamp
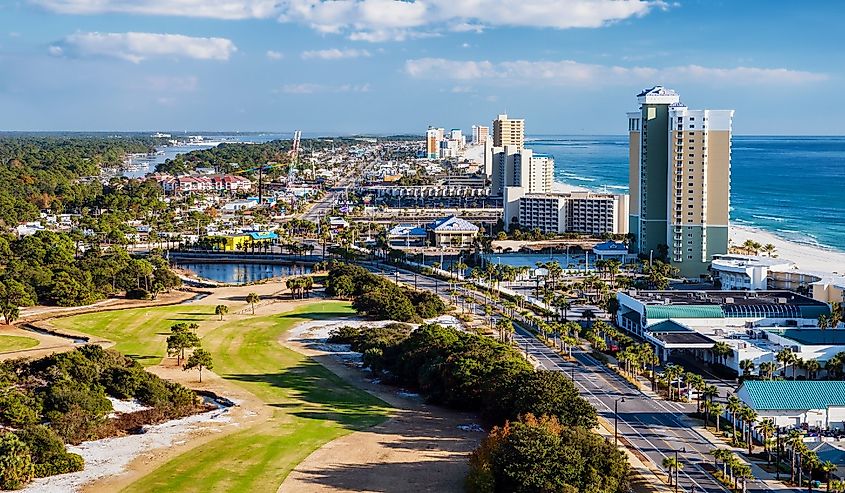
x,y
678,466
615,418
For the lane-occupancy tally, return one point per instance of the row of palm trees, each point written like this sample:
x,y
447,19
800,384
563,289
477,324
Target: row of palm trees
x,y
751,247
734,470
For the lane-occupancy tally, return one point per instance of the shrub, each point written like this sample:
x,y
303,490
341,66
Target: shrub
x,y
48,453
138,294
344,335
16,469
19,408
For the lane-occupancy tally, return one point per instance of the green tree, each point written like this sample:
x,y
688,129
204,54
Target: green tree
x,y
252,299
182,337
199,359
221,310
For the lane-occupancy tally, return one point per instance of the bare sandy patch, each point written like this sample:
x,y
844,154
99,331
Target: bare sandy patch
x,y
420,448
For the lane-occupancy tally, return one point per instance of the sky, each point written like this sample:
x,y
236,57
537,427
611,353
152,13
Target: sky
x,y
398,66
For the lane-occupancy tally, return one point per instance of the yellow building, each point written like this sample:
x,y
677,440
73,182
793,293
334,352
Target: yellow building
x,y
244,242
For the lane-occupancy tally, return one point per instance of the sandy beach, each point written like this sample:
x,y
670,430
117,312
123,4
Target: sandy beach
x,y
805,256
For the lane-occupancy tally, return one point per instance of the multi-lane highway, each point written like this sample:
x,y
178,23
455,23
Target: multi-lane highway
x,y
653,428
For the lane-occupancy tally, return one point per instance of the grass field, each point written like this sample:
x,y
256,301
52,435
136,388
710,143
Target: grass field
x,y
140,332
16,343
312,405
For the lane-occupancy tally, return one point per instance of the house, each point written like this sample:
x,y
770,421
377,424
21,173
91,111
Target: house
x,y
29,229
451,231
794,403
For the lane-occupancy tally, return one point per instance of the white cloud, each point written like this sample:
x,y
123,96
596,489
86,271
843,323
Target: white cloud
x,y
216,9
569,72
309,88
136,47
275,55
334,54
382,20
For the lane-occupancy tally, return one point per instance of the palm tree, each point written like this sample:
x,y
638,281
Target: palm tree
x,y
734,407
588,315
794,441
721,350
769,250
749,417
812,367
747,366
716,409
766,428
767,369
786,357
827,467
221,310
252,299
670,464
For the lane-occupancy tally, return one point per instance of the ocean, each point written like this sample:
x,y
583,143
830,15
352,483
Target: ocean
x,y
793,187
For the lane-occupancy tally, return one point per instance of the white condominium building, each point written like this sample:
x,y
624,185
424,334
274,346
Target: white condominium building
x,y
575,212
517,167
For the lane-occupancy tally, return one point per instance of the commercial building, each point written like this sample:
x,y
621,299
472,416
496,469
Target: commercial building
x,y
517,167
795,403
755,273
480,134
679,177
756,325
574,212
451,231
508,132
243,242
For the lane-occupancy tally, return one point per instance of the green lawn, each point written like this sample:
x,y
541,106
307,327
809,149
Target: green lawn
x,y
16,343
140,332
312,406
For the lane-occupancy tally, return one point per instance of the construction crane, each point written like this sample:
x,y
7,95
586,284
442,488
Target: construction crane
x,y
294,155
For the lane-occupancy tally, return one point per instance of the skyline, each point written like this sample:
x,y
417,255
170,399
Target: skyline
x,y
384,67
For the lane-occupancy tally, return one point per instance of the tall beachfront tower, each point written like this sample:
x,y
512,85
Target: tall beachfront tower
x,y
508,132
679,177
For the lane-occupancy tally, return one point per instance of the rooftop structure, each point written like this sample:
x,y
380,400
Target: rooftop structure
x,y
451,231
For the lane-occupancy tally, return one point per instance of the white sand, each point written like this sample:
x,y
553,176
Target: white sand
x,y
125,407
110,456
559,187
805,256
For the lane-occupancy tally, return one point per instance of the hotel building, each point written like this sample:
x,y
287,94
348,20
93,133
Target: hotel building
x,y
575,212
433,137
517,167
679,177
480,134
508,132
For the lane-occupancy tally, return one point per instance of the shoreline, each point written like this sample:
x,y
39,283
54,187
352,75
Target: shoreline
x,y
805,255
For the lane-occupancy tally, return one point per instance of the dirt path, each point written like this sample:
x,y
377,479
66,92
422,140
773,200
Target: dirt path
x,y
421,448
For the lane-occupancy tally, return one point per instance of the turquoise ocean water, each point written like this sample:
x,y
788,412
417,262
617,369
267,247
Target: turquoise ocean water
x,y
793,187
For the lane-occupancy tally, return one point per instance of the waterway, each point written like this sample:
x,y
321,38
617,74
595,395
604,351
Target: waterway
x,y
242,273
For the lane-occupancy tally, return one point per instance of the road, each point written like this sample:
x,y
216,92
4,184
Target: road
x,y
652,428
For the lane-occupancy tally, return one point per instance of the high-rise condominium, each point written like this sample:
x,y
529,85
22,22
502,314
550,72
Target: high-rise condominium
x,y
679,177
508,132
479,134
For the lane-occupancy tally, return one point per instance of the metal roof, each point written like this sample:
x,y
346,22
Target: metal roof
x,y
453,224
667,326
827,337
792,394
683,311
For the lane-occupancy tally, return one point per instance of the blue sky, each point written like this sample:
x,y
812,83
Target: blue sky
x,y
343,66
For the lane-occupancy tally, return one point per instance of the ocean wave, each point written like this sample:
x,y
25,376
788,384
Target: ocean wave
x,y
581,178
617,187
768,218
